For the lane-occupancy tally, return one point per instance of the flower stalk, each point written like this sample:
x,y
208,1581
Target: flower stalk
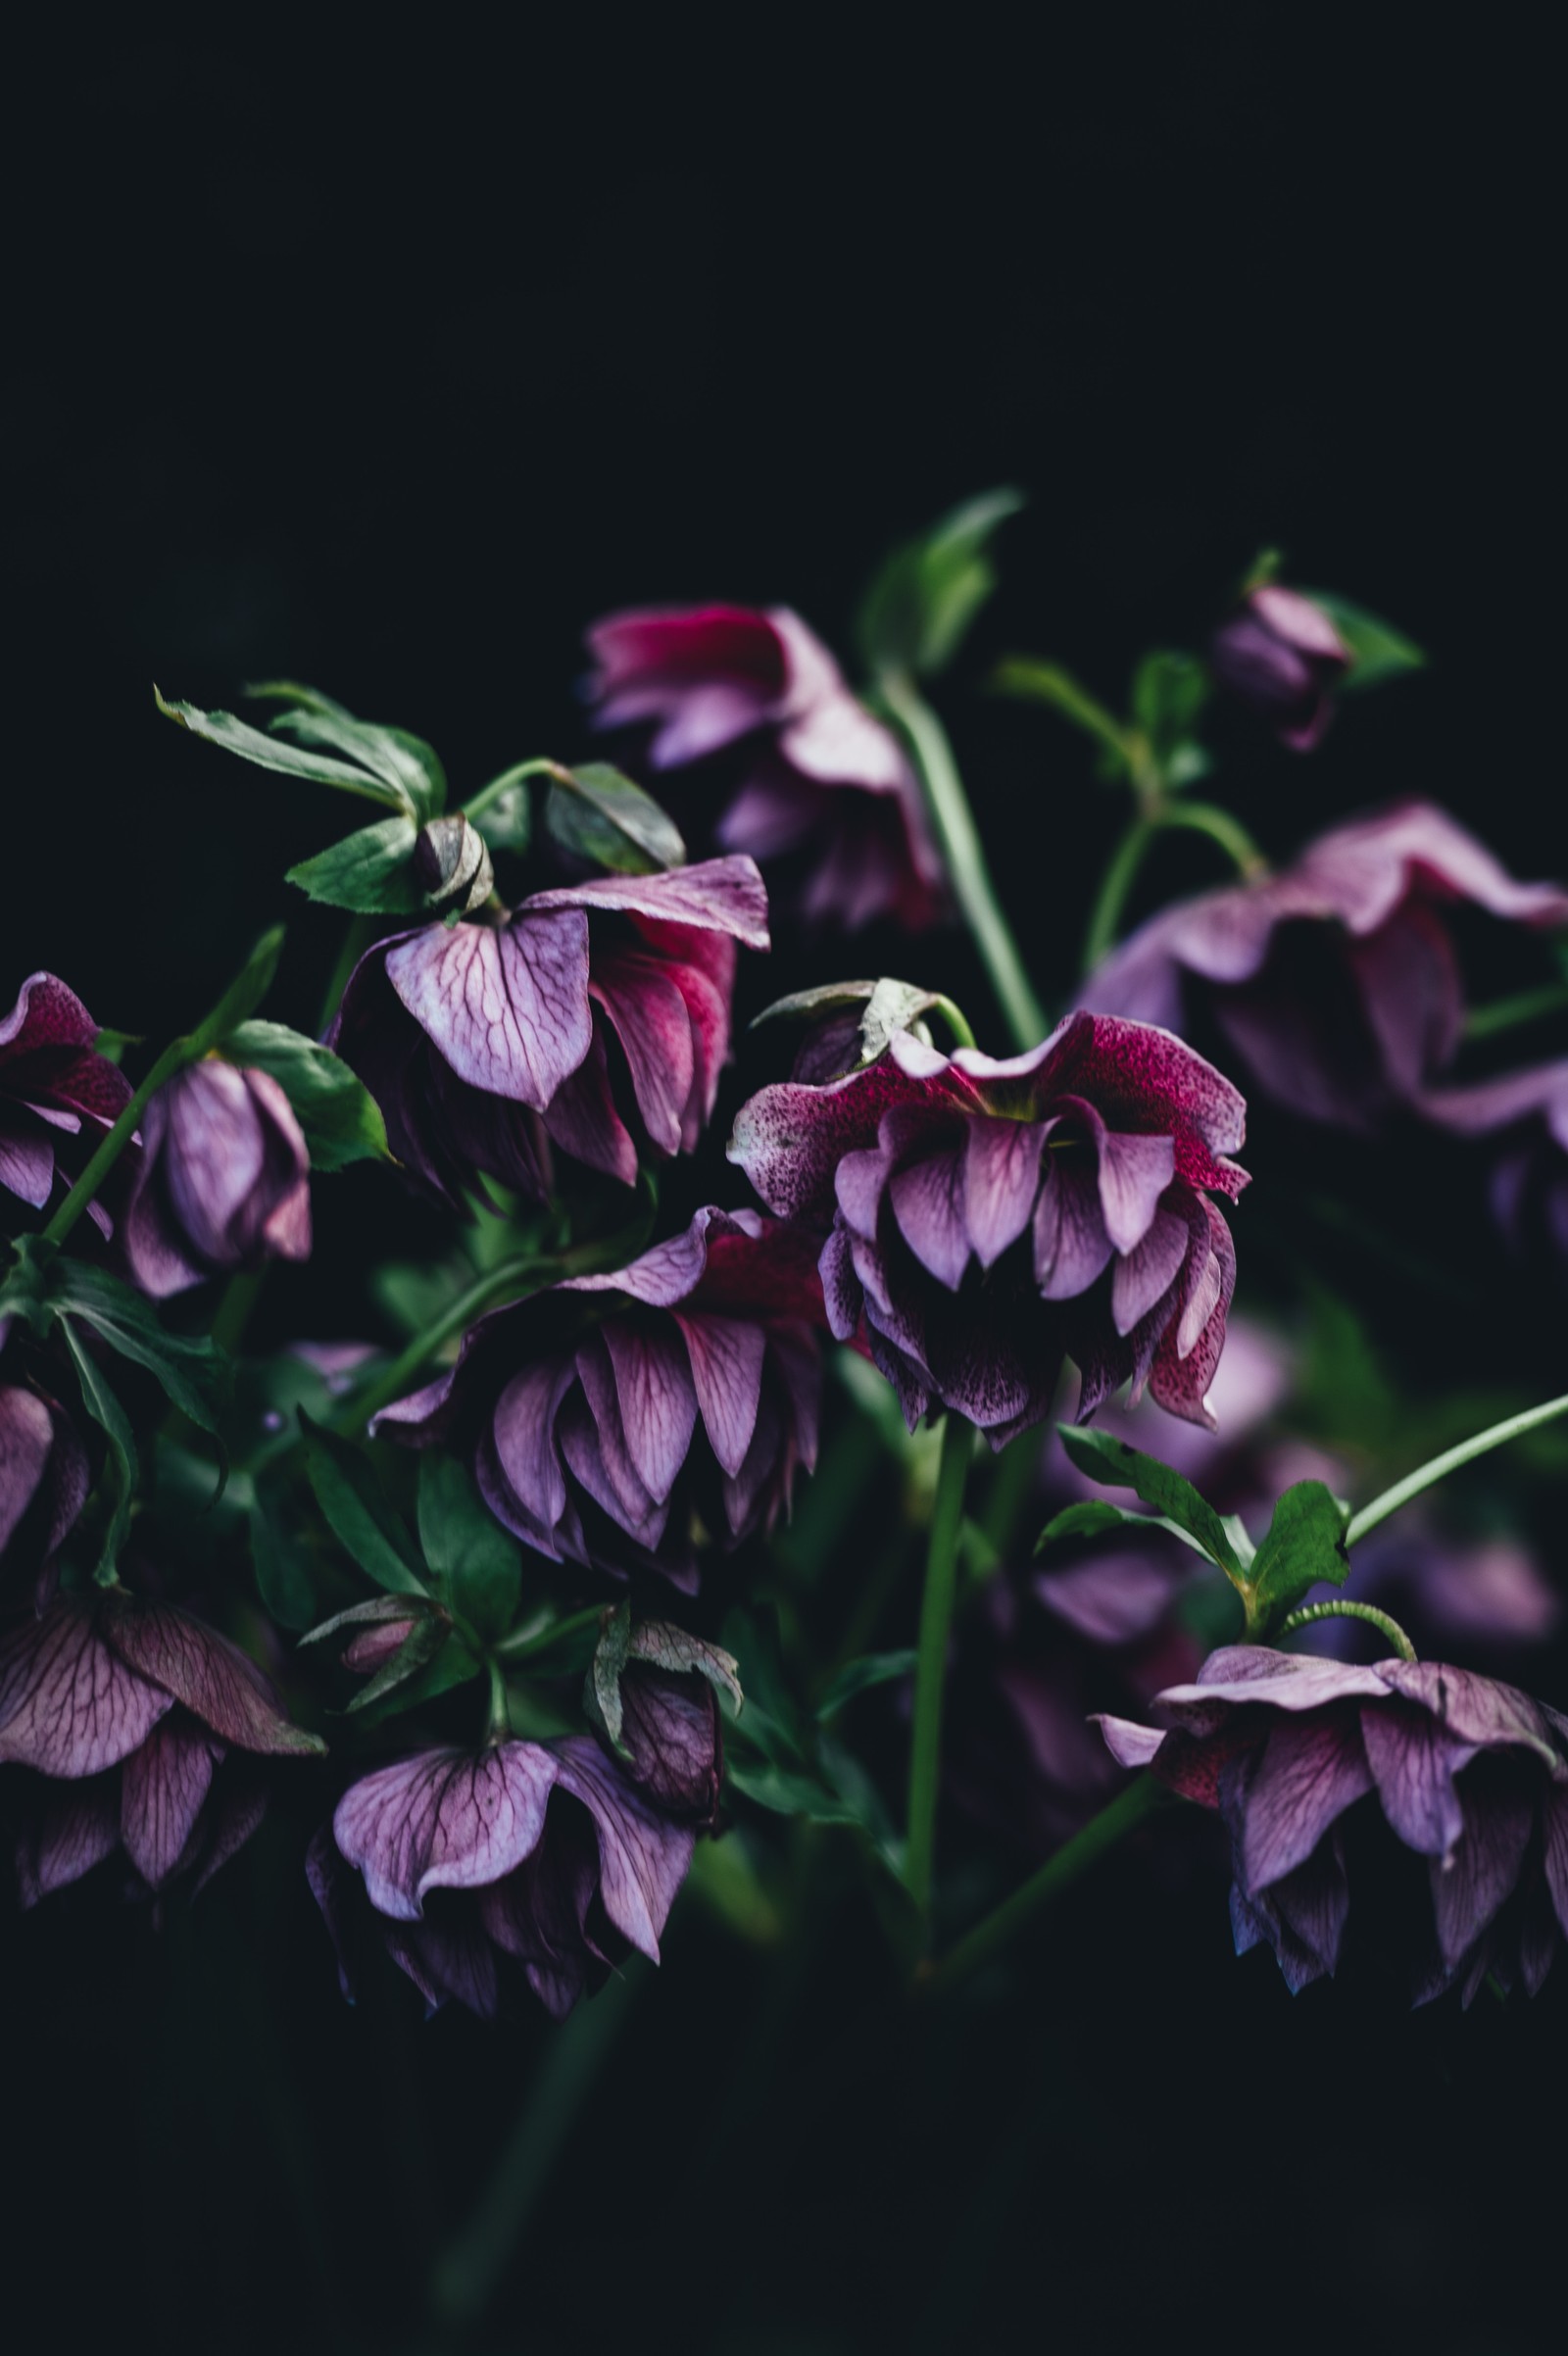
x,y
1345,1608
930,1676
1426,1476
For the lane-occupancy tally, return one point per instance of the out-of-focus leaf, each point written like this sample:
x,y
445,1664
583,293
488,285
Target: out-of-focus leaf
x,y
107,1412
1169,691
370,871
858,1676
405,765
453,1665
194,1371
341,1119
280,1563
597,815
477,1563
1378,651
920,605
358,1510
242,997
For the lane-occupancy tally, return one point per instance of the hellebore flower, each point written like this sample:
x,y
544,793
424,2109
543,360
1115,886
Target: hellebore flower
x,y
543,1853
672,1730
43,1483
694,1390
1463,1771
1280,655
990,1217
222,1181
126,1712
1335,981
759,702
51,1080
597,1016
1527,1111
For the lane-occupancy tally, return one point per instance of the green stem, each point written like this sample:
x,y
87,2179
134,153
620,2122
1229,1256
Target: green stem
x,y
395,1379
500,1722
355,941
954,1020
1047,683
959,843
476,805
1338,1608
234,1310
1057,1874
1155,816
1426,1476
1506,1014
931,1667
172,1059
1207,817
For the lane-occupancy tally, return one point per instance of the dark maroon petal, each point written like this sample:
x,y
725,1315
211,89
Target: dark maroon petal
x,y
216,1682
841,1286
714,894
583,1121
162,1786
74,1829
507,1005
649,1020
47,1014
1180,1378
643,1853
1307,1774
672,1271
1413,1763
443,1820
69,1706
1470,1884
790,1138
1309,1908
726,1355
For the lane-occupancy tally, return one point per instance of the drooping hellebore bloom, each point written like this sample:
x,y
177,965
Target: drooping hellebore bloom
x,y
51,1081
1322,1772
127,1712
988,1218
1280,655
1336,982
760,704
1527,1113
694,1390
222,1182
542,1853
44,1478
597,1016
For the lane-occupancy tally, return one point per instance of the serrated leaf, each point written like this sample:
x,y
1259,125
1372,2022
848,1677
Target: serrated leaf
x,y
280,1563
1303,1547
267,752
478,1564
1106,1458
1376,650
597,815
194,1372
357,1511
101,1403
341,1119
403,763
858,1676
370,871
920,605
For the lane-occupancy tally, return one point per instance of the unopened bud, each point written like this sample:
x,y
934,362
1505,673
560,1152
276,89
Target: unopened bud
x,y
453,864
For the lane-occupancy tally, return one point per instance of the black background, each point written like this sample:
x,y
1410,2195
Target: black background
x,y
388,367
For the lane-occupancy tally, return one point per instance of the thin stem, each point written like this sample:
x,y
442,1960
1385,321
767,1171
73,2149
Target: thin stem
x,y
1426,1476
355,941
1345,1608
500,1724
172,1059
1104,921
954,1020
394,1379
1047,683
1506,1014
1057,1874
476,805
234,1310
931,1668
1207,817
959,843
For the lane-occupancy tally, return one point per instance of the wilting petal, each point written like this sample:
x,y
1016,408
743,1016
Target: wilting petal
x,y
444,1820
507,1005
643,1853
69,1706
727,1362
1475,1709
162,1786
216,1682
1307,1774
714,895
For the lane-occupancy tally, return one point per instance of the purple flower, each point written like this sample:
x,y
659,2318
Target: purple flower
x,y
1467,1772
1527,1113
1336,982
43,1483
597,1016
596,1440
51,1080
125,1712
988,1218
1280,655
543,1853
670,1728
762,705
222,1181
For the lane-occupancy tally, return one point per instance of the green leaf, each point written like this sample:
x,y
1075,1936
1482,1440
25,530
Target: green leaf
x,y
106,1411
1033,681
279,1560
1111,1460
478,1565
453,1665
507,823
858,1676
194,1372
358,1510
1376,650
887,1006
920,605
341,1119
790,1794
1169,691
370,871
601,1692
597,815
405,765
26,1287
1304,1548
242,997
266,751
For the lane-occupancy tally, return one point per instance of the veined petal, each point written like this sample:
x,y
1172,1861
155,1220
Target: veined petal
x,y
658,1398
162,1786
643,1853
507,1005
444,1820
69,1706
215,1682
726,1356
1002,1177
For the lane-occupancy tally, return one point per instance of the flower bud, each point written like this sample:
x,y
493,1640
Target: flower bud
x,y
453,864
1281,654
222,1181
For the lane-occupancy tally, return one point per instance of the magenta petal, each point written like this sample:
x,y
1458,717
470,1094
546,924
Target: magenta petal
x,y
714,895
162,1787
47,1014
643,1853
669,1272
649,1020
841,1286
1310,1771
658,1398
69,1706
726,1356
507,1005
216,1682
927,1202
1149,1270
444,1820
582,1119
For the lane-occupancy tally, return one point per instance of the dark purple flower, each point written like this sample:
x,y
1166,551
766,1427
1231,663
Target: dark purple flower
x,y
222,1181
672,1732
812,776
1336,982
694,1392
597,1016
543,1853
1280,655
125,1711
1464,1772
43,1483
51,1081
990,1217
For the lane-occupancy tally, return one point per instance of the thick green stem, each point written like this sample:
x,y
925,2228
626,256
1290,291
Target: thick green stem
x,y
1154,817
1057,1874
172,1059
959,843
1426,1476
1345,1608
931,1668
